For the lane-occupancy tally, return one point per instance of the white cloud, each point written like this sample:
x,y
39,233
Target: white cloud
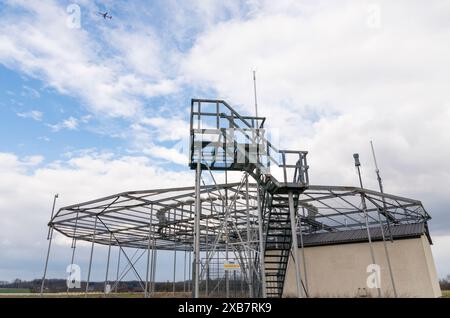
x,y
29,91
167,129
70,123
71,60
33,114
171,155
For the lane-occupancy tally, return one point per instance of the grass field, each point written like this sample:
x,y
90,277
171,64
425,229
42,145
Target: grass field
x,y
14,290
26,294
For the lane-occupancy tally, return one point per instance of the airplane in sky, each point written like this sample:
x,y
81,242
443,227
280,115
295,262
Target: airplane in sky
x,y
105,15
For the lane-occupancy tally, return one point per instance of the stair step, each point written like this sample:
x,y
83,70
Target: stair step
x,y
272,249
274,262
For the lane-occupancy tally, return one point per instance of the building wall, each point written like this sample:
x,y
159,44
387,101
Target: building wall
x,y
340,270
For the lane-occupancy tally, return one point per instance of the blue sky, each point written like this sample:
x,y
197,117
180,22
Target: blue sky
x,y
103,108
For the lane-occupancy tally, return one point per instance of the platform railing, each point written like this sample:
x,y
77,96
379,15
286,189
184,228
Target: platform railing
x,y
225,140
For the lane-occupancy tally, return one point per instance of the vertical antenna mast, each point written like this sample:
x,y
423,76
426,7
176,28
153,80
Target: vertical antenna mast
x,y
377,171
380,183
258,200
254,88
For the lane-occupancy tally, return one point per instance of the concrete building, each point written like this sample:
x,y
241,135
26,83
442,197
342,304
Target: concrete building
x,y
336,264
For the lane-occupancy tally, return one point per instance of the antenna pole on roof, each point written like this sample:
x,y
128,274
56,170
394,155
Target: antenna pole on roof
x,y
254,89
366,219
377,171
380,185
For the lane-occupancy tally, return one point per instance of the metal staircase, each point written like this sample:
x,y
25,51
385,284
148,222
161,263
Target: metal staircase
x,y
277,245
221,139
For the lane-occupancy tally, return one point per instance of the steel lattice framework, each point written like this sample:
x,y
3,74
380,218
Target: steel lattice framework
x,y
170,213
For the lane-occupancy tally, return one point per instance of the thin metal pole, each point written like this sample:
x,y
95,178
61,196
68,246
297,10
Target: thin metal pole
x,y
197,217
260,219
148,251
74,245
184,271
152,268
387,256
295,244
107,264
380,184
249,239
51,217
118,269
46,261
227,273
155,258
49,238
207,257
366,218
190,272
197,233
74,242
174,267
90,258
256,100
303,254
261,243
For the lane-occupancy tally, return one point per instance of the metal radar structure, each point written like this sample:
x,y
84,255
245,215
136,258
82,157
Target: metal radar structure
x,y
236,236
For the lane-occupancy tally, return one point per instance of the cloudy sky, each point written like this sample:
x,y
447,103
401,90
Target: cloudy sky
x,y
90,107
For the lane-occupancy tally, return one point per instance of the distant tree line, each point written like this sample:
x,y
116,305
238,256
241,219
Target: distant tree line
x,y
236,286
445,283
59,285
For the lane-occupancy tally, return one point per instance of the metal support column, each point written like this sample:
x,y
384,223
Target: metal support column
x,y
49,238
249,240
184,271
302,247
46,260
295,245
73,246
190,272
261,243
366,219
118,269
197,232
155,258
107,266
148,252
174,268
90,258
380,184
198,204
